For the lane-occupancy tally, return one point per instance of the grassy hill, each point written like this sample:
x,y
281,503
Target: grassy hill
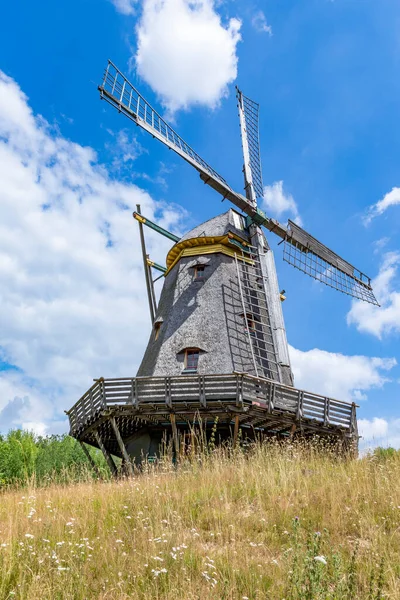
x,y
268,523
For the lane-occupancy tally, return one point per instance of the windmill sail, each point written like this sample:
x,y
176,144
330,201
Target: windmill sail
x,y
300,249
250,112
307,254
120,93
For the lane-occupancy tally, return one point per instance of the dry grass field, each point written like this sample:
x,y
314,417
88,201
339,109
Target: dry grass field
x,y
265,524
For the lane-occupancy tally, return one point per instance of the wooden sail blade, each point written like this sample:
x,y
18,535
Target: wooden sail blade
x,y
307,254
120,93
250,130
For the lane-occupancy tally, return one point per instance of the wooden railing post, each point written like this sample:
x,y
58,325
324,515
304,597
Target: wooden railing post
x,y
167,383
91,401
353,418
239,390
271,397
134,392
326,411
299,412
202,391
103,392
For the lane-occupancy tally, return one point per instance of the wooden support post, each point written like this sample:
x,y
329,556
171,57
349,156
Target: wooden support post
x,y
122,447
146,268
106,453
174,435
236,431
90,459
292,430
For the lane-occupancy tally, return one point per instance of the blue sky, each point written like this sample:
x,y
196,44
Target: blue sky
x,y
326,76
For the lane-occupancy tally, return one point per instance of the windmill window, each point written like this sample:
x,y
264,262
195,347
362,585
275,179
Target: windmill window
x,y
157,327
191,360
199,272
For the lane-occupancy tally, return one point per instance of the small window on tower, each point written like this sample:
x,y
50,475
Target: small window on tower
x,y
199,273
157,327
191,360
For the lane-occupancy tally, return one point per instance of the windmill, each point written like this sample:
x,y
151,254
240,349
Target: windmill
x,y
218,345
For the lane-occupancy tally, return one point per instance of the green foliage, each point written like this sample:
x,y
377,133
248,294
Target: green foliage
x,y
25,457
385,453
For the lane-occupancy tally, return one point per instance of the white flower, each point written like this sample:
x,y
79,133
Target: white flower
x,y
320,559
29,535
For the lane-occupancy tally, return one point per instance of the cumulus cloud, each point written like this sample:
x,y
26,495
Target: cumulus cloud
x,y
278,203
185,52
125,7
383,320
124,148
379,432
259,22
337,375
390,199
72,301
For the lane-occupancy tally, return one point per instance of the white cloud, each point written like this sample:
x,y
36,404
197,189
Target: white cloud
x,y
383,320
376,428
259,22
379,432
278,203
125,7
185,53
72,304
337,375
390,199
124,148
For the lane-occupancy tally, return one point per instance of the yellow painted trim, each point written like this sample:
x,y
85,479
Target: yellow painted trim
x,y
139,218
199,241
207,249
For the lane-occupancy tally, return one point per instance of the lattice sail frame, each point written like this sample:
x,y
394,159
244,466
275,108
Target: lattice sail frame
x,y
307,254
300,249
251,111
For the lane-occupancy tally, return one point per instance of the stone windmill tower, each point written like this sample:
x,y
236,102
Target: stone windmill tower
x,y
218,343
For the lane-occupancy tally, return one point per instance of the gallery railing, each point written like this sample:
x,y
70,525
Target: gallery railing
x,y
199,391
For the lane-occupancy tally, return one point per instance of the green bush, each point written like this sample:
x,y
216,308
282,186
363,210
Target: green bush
x,y
24,457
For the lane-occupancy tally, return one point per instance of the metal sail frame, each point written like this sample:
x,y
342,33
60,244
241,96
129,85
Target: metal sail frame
x,y
120,93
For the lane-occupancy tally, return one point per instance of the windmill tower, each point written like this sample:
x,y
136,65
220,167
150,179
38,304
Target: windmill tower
x,y
218,343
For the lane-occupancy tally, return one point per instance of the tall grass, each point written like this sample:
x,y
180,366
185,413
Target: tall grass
x,y
265,523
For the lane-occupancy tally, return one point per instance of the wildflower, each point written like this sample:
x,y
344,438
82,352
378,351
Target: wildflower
x,y
320,559
29,535
119,542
